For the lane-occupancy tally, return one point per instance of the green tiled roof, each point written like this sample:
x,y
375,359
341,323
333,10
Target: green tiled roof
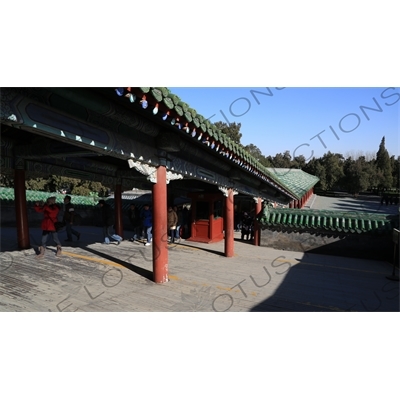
x,y
295,184
324,220
296,181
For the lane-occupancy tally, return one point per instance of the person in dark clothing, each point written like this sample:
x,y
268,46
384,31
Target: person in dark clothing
x,y
108,222
68,219
247,223
146,217
134,218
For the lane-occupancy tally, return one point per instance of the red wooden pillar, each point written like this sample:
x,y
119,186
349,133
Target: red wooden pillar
x,y
119,226
256,227
229,223
160,235
20,209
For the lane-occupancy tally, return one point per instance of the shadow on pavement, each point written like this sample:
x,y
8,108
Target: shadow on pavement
x,y
216,252
310,284
134,268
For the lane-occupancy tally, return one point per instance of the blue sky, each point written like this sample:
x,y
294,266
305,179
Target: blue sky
x,y
300,119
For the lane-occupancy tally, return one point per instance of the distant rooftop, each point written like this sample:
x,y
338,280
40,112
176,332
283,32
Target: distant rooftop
x,y
294,180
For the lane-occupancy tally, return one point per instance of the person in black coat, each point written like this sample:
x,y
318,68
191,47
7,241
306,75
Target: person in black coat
x,y
246,226
146,216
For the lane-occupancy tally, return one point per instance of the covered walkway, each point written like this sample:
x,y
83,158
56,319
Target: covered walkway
x,y
157,143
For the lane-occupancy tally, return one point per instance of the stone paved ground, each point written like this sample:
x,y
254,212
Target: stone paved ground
x,y
91,276
369,204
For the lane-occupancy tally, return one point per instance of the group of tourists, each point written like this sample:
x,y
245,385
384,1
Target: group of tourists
x,y
141,222
51,226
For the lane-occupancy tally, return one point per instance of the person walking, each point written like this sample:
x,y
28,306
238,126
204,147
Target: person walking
x,y
108,222
246,226
172,220
50,210
146,217
68,219
179,213
134,218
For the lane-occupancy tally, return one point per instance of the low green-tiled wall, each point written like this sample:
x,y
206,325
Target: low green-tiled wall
x,y
350,234
330,221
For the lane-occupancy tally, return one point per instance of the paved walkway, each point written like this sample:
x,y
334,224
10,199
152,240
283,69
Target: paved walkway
x,y
91,276
368,204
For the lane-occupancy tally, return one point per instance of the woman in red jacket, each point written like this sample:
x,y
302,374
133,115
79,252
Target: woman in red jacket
x,y
50,210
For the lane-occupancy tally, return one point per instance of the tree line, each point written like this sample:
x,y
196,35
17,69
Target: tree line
x,y
61,184
353,173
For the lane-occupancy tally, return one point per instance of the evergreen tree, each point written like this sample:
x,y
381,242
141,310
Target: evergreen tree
x,y
281,160
384,166
356,175
333,164
6,181
36,184
254,151
232,130
299,162
395,163
316,168
56,183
